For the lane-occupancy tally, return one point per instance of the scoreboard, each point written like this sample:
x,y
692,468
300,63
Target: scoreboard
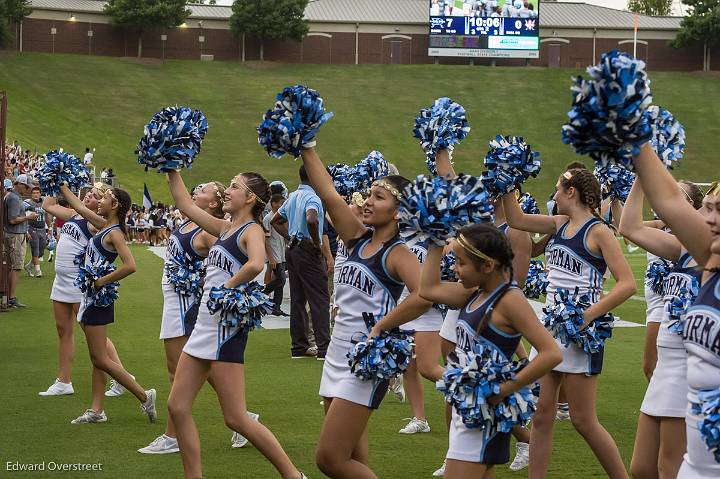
x,y
484,28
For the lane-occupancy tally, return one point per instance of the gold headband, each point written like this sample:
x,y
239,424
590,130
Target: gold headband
x,y
473,250
357,199
714,189
386,185
247,188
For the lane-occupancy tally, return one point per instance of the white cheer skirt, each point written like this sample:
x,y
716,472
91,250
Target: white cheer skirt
x,y
666,395
179,313
63,287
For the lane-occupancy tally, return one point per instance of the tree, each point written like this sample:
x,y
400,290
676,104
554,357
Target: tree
x,y
141,15
4,34
12,11
650,7
269,20
702,25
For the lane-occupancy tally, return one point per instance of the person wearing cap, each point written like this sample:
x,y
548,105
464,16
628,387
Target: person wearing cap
x,y
15,224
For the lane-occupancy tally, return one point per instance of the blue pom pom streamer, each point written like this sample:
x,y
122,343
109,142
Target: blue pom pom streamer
x,y
679,305
709,426
656,274
172,139
51,244
88,274
615,181
348,179
439,127
436,208
607,120
668,135
565,322
384,356
447,268
243,306
61,168
528,204
508,164
471,377
536,281
292,124
186,273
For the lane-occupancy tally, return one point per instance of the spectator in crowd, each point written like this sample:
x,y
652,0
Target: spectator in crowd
x,y
88,158
300,221
104,176
15,224
37,230
275,250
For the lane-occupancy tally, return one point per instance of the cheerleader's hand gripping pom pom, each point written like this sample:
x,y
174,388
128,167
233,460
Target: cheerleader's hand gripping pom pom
x,y
172,139
536,282
615,181
243,306
472,377
436,208
607,119
61,168
679,305
381,357
106,294
668,135
292,124
439,127
709,426
508,164
528,204
656,274
185,273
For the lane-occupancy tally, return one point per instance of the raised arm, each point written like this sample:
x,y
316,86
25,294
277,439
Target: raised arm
x,y
183,200
253,242
632,227
625,285
95,219
522,249
50,205
444,166
670,205
117,240
531,223
346,224
433,289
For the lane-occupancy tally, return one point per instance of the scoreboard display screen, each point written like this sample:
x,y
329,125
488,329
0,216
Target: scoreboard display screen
x,y
485,28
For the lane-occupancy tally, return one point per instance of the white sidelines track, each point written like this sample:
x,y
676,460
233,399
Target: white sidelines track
x,y
276,322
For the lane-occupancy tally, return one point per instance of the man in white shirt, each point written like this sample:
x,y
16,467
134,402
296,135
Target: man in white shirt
x,y
88,158
275,250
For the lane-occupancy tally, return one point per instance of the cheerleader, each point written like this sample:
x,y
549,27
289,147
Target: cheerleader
x,y
582,249
216,353
66,297
700,235
104,247
369,285
494,312
660,437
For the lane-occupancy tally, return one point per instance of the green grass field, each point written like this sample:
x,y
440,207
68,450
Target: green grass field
x,y
283,391
74,101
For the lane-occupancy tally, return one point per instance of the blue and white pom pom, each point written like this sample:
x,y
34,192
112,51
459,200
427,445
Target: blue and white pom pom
x,y
668,135
439,127
185,274
607,120
343,177
436,208
471,377
615,181
85,282
61,168
382,357
447,268
536,281
508,164
292,124
243,306
528,204
656,274
374,166
679,305
172,139
709,426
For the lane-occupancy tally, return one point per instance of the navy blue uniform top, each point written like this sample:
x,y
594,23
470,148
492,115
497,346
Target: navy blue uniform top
x,y
701,337
96,251
181,243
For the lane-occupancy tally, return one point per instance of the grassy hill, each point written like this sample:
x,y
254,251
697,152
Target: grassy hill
x,y
75,101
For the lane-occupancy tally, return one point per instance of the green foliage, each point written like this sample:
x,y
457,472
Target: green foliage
x,y
17,10
141,15
650,7
702,25
269,19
